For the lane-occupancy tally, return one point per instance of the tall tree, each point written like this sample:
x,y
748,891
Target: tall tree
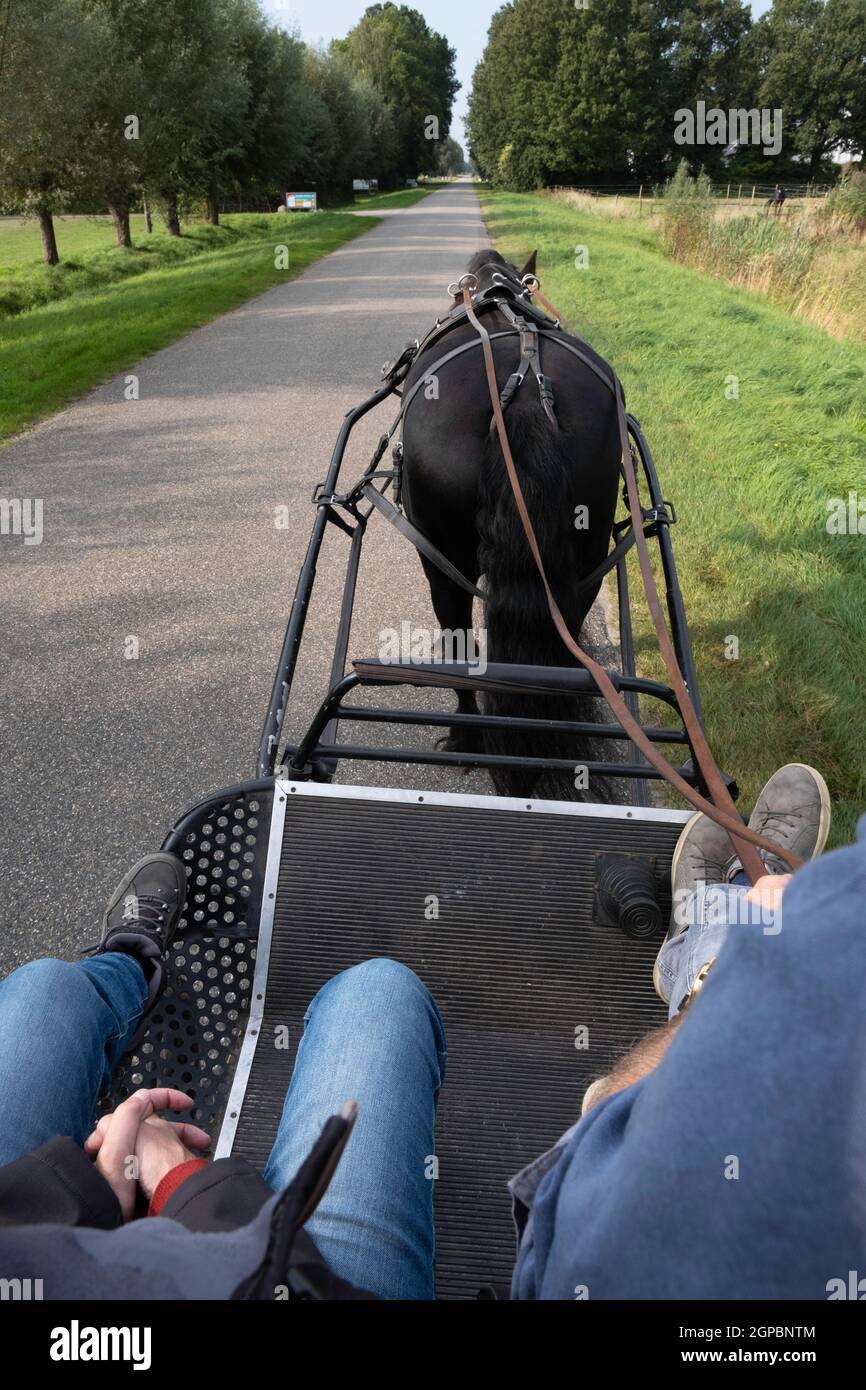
x,y
278,113
566,92
413,67
451,159
812,60
47,58
172,70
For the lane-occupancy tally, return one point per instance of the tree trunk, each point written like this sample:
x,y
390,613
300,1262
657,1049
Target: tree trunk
x,y
120,217
213,208
172,217
148,219
50,254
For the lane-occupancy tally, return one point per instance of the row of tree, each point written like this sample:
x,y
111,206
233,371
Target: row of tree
x,y
114,104
587,91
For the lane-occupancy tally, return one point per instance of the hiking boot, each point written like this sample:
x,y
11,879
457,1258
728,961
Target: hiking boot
x,y
142,917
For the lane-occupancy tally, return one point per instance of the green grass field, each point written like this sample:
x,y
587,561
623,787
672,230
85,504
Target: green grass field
x,y
107,308
751,479
21,246
78,236
401,198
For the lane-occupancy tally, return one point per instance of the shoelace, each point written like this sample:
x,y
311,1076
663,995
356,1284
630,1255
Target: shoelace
x,y
783,818
770,824
150,913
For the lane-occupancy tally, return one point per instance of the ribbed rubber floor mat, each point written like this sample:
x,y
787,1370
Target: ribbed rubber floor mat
x,y
515,962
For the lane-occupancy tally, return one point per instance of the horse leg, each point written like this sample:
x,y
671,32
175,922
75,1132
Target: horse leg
x,y
453,608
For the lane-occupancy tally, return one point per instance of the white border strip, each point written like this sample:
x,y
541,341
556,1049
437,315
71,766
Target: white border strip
x,y
232,1114
597,810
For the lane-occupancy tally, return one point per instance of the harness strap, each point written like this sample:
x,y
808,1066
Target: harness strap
x,y
418,539
530,361
721,808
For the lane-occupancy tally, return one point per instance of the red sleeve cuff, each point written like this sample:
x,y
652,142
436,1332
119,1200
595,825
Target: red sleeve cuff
x,y
172,1181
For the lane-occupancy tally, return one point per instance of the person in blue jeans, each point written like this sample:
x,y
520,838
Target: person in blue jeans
x,y
719,1159
372,1034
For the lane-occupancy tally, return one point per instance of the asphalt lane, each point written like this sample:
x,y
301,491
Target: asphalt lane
x,y
159,526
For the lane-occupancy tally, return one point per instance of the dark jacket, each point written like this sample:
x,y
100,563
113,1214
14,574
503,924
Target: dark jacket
x,y
223,1234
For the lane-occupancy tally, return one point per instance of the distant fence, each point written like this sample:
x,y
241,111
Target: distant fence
x,y
739,191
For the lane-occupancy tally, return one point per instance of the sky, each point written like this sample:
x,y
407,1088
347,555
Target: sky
x,y
464,23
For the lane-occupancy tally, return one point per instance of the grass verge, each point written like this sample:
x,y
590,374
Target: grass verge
x,y
401,198
752,475
53,353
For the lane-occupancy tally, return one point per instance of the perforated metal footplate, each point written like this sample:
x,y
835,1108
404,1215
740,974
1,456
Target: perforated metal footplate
x,y
513,958
194,1035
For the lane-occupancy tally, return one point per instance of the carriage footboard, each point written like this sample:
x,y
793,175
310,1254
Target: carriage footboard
x,y
539,993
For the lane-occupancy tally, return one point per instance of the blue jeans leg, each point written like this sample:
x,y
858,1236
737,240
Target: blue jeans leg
x,y
63,1028
711,912
373,1034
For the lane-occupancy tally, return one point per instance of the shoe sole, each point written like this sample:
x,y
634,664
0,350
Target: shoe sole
x,y
675,862
125,882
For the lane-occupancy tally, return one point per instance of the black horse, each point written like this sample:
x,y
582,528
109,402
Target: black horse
x,y
456,491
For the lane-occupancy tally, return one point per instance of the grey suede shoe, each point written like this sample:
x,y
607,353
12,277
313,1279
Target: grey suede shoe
x,y
794,810
703,855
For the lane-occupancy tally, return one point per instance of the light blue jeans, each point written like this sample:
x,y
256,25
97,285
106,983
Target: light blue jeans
x,y
712,912
372,1034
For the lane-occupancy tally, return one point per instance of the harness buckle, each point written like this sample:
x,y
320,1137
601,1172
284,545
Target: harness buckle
x,y
665,514
397,370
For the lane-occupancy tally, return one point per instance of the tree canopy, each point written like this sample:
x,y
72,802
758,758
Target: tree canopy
x,y
105,103
568,92
393,47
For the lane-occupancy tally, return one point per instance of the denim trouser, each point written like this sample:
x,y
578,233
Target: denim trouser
x,y
712,911
372,1034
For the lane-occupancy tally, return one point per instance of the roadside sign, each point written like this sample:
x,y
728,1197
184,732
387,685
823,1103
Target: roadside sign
x,y
301,202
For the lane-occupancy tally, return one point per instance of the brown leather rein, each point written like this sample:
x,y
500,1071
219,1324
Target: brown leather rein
x,y
721,808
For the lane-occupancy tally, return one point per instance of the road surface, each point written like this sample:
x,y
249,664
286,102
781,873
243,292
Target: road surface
x,y
159,526
141,636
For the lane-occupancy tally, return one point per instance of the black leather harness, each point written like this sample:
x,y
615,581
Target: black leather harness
x,y
532,326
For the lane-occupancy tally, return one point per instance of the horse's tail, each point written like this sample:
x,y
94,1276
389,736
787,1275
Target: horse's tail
x,y
519,628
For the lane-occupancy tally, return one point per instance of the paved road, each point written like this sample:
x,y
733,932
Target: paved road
x,y
159,525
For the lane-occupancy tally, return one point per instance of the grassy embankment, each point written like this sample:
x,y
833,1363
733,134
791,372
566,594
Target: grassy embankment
x,y
64,329
810,258
751,477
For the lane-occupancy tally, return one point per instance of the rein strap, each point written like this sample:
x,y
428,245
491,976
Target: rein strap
x,y
721,808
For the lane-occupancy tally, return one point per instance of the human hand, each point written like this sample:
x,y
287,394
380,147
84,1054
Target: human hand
x,y
132,1147
767,892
